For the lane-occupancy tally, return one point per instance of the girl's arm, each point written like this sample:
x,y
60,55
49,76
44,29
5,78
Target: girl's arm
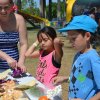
x,y
31,53
11,62
58,50
60,79
23,43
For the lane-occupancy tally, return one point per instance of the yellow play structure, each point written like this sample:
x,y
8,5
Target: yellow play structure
x,y
34,17
77,7
69,7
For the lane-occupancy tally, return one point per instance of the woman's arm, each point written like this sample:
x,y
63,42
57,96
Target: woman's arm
x,y
23,41
58,50
11,62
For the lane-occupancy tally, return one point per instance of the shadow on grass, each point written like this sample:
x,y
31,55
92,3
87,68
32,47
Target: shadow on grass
x,y
32,28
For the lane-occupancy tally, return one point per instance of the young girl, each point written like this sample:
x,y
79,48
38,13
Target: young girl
x,y
50,55
85,73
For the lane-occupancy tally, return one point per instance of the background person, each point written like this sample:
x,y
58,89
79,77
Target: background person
x,y
50,55
92,12
12,32
84,77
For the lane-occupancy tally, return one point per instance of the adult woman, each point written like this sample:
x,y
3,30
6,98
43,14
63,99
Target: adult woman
x,y
12,31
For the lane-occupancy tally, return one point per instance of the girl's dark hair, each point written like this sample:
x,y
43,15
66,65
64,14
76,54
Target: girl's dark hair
x,y
49,31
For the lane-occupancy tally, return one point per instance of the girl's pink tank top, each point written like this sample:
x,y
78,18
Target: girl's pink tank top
x,y
46,71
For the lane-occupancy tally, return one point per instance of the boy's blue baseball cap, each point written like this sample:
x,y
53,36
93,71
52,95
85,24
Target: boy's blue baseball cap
x,y
83,22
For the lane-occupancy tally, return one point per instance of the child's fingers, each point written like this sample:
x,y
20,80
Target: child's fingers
x,y
55,82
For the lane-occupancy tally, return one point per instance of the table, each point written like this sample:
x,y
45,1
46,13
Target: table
x,y
35,92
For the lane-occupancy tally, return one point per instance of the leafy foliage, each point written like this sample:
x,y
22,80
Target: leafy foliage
x,y
29,6
54,10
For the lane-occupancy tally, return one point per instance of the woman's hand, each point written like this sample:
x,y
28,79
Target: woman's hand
x,y
22,67
12,63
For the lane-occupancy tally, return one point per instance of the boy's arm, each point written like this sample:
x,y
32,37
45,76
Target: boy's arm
x,y
96,97
31,51
58,50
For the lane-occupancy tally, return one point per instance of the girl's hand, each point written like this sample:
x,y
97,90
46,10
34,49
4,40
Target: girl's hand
x,y
22,67
59,80
12,63
58,41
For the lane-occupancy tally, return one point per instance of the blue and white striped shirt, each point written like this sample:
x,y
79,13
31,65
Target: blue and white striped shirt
x,y
8,44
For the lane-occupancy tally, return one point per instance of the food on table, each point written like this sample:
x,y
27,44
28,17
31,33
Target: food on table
x,y
44,98
4,74
22,99
25,85
8,92
12,95
17,73
55,92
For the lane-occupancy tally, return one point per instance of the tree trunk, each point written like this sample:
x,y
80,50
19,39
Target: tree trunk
x,y
64,7
19,4
50,9
42,8
58,9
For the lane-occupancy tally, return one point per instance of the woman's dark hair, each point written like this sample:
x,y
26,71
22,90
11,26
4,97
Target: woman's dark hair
x,y
11,2
49,31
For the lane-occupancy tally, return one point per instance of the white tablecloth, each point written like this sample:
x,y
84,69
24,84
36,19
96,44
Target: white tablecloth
x,y
35,92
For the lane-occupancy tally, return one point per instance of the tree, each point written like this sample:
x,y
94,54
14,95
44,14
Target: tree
x,y
53,12
29,6
19,4
42,8
63,9
58,9
50,10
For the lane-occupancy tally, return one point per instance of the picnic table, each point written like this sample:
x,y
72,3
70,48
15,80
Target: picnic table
x,y
36,91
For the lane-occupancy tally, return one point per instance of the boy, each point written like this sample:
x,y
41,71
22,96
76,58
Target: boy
x,y
85,73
